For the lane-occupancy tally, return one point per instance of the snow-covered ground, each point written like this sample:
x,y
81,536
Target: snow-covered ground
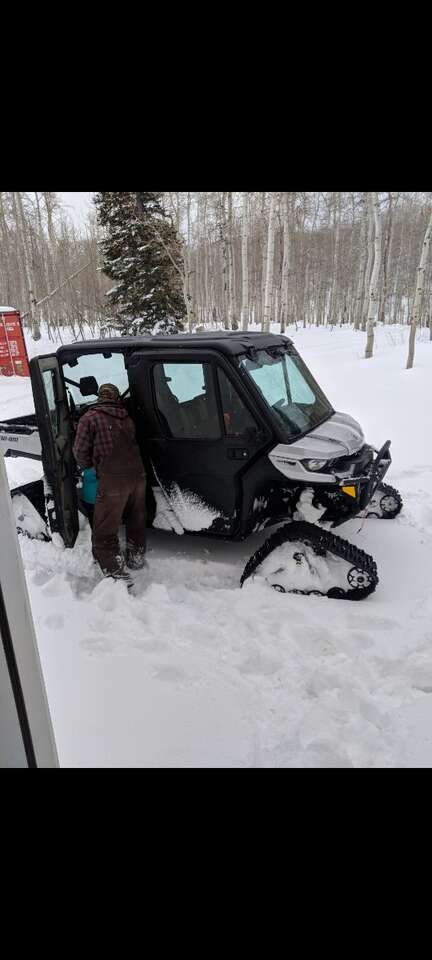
x,y
193,671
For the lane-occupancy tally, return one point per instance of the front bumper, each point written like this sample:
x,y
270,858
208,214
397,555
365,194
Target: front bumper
x,y
355,492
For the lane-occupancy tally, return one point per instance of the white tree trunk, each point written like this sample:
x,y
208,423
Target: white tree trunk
x,y
230,265
224,245
28,272
45,276
50,204
264,233
188,271
245,265
386,260
370,260
362,268
305,294
334,290
286,263
206,262
419,292
5,253
268,295
396,279
374,283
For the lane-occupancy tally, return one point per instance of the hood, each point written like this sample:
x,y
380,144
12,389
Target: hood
x,y
339,436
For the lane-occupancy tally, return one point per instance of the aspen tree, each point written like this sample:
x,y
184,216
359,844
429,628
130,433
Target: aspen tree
x,y
44,265
5,291
370,260
396,278
264,242
230,265
373,289
334,290
386,258
188,269
416,311
245,265
26,260
268,295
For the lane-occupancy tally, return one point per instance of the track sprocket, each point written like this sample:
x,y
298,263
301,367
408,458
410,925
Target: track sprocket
x,y
385,504
313,561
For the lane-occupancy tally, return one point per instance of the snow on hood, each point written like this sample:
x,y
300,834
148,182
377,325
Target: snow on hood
x,y
339,436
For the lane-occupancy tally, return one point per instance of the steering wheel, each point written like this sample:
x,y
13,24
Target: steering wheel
x,y
286,420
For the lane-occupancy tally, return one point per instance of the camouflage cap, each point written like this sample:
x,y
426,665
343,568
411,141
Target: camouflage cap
x,y
108,391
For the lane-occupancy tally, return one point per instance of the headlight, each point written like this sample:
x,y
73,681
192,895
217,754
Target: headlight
x,y
314,464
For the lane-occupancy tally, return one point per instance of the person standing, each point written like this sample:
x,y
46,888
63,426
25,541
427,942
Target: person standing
x,y
106,440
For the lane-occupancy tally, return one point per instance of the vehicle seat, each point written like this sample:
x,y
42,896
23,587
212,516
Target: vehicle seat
x,y
168,403
234,415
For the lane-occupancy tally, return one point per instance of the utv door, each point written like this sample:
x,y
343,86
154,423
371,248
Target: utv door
x,y
199,450
55,428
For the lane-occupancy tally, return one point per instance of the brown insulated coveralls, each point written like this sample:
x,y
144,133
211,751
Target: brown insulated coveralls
x,y
122,485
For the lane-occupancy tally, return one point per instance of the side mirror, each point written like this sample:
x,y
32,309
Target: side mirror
x,y
88,386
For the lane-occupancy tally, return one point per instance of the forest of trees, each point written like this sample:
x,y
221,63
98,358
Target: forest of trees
x,y
41,252
246,258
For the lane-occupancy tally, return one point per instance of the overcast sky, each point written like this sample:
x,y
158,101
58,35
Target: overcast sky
x,y
77,205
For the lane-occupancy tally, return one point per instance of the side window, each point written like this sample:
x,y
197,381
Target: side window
x,y
104,369
49,384
186,401
238,422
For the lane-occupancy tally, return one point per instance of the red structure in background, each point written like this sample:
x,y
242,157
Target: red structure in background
x,y
13,351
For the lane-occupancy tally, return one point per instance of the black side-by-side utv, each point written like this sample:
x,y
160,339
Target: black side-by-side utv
x,y
236,436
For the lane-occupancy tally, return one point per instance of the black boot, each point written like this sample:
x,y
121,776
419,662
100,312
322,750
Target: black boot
x,y
135,558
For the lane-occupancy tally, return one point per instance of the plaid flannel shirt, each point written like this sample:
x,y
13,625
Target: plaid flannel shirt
x,y
94,436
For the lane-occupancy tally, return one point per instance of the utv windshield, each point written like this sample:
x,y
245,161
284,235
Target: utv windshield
x,y
289,389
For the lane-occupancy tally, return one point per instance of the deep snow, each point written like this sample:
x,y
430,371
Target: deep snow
x,y
193,671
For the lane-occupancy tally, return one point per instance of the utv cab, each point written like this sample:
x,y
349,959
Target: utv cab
x,y
236,436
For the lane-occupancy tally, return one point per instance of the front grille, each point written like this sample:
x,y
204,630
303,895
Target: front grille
x,y
354,465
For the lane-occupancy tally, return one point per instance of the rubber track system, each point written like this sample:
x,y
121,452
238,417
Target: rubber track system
x,y
321,541
374,508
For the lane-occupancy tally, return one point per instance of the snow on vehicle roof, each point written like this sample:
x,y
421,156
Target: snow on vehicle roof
x,y
8,310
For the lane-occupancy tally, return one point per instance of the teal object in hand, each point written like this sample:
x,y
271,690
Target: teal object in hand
x,y
90,485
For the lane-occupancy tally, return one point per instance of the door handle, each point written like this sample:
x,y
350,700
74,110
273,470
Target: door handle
x,y
237,453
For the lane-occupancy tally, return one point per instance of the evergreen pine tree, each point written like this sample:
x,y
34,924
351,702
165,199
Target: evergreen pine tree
x,y
142,254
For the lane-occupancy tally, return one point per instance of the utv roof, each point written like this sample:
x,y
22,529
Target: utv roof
x,y
226,341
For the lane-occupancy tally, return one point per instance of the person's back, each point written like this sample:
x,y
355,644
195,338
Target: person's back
x,y
106,441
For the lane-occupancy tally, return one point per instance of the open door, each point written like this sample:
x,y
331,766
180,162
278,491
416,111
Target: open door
x,y
56,434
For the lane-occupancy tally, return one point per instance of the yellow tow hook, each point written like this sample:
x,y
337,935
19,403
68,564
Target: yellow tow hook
x,y
350,491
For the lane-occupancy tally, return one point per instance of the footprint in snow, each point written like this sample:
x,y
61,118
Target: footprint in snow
x,y
56,586
55,621
170,673
96,645
375,623
321,753
41,577
415,470
260,665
